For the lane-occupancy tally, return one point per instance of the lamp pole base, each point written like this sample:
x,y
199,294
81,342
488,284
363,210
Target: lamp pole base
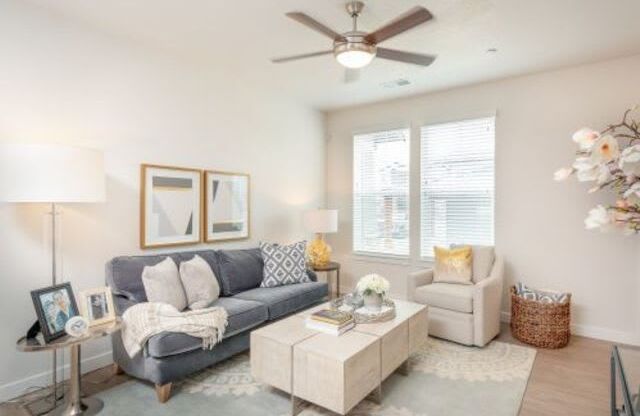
x,y
86,407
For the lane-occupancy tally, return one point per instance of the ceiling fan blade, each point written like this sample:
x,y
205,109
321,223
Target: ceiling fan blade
x,y
302,56
314,24
402,23
351,75
408,57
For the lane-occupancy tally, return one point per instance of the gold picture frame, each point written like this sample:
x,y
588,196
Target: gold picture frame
x,y
96,305
171,206
227,194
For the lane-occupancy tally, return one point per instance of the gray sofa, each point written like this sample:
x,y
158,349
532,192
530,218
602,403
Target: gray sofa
x,y
168,357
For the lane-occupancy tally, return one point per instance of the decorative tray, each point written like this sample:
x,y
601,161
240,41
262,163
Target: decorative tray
x,y
361,315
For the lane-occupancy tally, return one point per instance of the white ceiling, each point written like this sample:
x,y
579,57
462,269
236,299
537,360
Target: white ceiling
x,y
530,36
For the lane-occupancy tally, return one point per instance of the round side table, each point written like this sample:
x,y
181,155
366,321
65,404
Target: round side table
x,y
75,405
332,266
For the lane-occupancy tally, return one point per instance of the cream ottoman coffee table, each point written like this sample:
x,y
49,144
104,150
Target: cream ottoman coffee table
x,y
336,372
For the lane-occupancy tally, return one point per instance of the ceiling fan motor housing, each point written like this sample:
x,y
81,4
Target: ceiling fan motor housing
x,y
353,41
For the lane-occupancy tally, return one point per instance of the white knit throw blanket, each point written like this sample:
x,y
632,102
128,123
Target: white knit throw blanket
x,y
144,320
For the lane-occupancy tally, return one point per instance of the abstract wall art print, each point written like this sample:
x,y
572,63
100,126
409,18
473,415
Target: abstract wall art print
x,y
226,206
170,206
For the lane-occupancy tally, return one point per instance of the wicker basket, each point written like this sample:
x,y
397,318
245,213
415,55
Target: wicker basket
x,y
540,324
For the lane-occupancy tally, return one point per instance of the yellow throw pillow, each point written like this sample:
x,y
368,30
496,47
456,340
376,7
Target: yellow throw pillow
x,y
453,265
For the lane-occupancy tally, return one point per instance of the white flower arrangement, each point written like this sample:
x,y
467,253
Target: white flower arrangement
x,y
373,283
611,159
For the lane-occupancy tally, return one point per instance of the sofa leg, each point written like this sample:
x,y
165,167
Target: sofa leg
x,y
163,392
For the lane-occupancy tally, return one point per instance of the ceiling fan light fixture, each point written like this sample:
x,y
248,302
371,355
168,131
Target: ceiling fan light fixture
x,y
354,55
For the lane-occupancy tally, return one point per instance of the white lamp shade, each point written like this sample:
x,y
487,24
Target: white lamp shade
x,y
321,220
50,173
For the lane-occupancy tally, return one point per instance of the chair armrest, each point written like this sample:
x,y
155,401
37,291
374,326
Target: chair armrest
x,y
487,302
417,279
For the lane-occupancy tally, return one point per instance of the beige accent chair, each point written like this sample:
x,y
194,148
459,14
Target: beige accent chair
x,y
467,314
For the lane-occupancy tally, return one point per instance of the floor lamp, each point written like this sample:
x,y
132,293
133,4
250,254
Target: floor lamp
x,y
52,174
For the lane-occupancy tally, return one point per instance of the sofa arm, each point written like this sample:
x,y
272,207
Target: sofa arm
x,y
121,304
487,301
312,275
417,279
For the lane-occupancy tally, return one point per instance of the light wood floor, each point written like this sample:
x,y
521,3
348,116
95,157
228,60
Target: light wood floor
x,y
572,381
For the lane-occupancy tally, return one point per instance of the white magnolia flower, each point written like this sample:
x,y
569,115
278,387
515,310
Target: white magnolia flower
x,y
605,149
630,160
632,195
585,137
562,174
587,170
599,217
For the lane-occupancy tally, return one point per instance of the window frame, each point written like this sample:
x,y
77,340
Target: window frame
x,y
431,259
375,256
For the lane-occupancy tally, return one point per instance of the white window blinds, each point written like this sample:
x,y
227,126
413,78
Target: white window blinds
x,y
381,192
457,184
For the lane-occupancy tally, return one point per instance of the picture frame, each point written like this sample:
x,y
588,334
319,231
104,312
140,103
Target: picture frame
x,y
170,206
54,305
96,305
227,211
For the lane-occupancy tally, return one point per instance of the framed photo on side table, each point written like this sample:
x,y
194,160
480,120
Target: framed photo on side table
x,y
170,206
226,206
96,305
54,305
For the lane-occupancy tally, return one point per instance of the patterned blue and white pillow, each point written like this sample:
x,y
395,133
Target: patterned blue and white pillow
x,y
540,295
283,264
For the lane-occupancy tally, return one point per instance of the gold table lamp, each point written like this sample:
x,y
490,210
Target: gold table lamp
x,y
321,222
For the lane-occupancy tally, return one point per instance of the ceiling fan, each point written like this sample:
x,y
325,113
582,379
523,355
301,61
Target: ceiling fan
x,y
356,49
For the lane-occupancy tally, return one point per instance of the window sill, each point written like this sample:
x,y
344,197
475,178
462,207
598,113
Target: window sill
x,y
380,258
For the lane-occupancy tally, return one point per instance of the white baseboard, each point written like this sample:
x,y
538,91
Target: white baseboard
x,y
596,332
19,387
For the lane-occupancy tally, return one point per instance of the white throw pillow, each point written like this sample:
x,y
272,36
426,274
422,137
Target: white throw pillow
x,y
199,282
162,284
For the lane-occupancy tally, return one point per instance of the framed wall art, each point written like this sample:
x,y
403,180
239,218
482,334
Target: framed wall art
x,y
170,206
226,206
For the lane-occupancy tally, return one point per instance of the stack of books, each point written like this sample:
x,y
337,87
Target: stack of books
x,y
331,321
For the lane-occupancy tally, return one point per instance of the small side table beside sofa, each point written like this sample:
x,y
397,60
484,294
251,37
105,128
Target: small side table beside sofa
x,y
75,404
332,266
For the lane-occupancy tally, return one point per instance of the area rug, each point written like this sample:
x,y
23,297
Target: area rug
x,y
445,379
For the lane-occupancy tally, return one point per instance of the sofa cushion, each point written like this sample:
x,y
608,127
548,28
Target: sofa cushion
x,y
239,270
242,315
458,298
124,274
283,300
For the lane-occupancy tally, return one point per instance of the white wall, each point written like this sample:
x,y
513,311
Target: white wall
x,y
60,82
539,223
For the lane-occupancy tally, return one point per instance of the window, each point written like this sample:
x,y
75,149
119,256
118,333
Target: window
x,y
457,184
381,193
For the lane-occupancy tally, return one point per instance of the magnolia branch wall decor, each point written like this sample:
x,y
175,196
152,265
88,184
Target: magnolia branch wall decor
x,y
611,160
